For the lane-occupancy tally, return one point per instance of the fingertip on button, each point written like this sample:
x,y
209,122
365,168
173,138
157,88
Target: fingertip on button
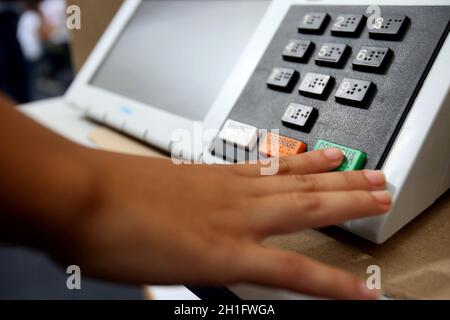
x,y
334,154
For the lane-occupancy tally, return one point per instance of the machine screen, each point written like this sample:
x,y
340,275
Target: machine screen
x,y
177,55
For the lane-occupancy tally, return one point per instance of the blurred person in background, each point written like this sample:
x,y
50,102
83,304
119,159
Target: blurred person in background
x,y
30,32
34,49
57,71
44,39
14,74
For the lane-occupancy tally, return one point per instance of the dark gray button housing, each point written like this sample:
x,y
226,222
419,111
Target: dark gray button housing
x,y
332,55
283,79
316,85
298,50
300,117
393,27
348,25
372,59
354,92
314,23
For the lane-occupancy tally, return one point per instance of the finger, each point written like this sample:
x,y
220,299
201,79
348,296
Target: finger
x,y
291,271
305,163
334,181
287,213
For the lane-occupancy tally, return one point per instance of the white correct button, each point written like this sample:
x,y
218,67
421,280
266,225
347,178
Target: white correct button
x,y
240,134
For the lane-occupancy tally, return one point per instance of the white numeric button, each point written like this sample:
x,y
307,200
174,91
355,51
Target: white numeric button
x,y
240,134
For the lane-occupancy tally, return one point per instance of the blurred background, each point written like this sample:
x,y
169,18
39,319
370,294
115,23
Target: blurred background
x,y
34,49
35,63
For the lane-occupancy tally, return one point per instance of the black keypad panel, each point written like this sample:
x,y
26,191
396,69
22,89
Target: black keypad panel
x,y
343,82
298,50
390,27
299,116
372,59
332,55
316,85
354,92
283,79
348,25
314,22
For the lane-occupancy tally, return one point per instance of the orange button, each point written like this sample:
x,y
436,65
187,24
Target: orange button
x,y
287,146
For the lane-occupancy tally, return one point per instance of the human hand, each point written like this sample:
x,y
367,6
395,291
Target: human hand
x,y
152,222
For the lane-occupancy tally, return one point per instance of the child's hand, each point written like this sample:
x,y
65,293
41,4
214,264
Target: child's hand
x,y
148,221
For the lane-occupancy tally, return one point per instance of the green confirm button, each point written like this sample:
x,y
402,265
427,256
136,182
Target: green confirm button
x,y
354,159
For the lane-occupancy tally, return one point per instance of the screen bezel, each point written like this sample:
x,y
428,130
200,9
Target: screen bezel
x,y
147,122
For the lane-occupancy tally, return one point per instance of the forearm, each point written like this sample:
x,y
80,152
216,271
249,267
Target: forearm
x,y
45,180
